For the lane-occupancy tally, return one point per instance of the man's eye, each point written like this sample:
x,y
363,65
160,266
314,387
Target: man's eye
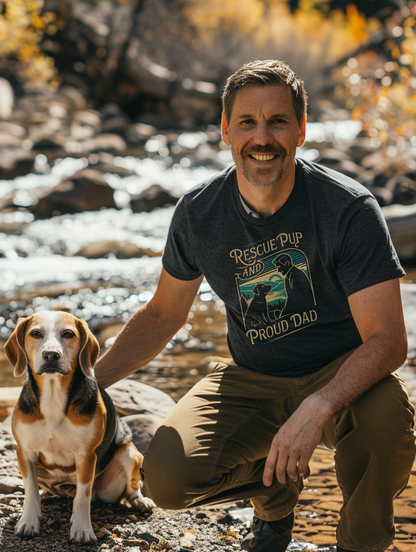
x,y
68,334
36,335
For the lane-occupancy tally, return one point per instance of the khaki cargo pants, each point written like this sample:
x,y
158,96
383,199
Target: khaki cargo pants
x,y
213,445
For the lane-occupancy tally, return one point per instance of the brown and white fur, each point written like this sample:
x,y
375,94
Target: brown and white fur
x,y
70,440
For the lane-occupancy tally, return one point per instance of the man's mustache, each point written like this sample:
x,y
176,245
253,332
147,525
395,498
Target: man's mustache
x,y
263,149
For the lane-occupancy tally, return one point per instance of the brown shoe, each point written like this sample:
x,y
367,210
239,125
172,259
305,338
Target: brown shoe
x,y
269,536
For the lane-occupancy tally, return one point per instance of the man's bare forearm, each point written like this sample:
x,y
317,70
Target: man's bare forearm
x,y
375,359
149,329
141,339
379,319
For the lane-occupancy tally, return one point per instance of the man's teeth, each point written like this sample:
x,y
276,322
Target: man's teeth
x,y
263,156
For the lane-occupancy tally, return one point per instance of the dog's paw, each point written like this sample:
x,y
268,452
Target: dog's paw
x,y
28,527
142,503
82,535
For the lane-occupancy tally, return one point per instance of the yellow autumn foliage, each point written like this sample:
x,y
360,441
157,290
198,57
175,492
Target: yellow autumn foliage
x,y
21,29
382,94
312,28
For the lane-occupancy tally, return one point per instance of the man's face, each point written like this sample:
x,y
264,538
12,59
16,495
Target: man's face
x,y
264,133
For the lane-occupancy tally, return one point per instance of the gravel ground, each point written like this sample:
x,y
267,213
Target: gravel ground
x,y
119,528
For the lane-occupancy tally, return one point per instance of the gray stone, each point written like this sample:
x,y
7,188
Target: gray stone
x,y
9,484
143,427
134,397
86,190
152,198
408,292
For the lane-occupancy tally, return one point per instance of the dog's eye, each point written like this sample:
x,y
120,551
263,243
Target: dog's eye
x,y
36,335
68,334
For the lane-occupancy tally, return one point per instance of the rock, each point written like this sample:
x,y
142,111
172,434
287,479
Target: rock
x,y
15,220
10,484
401,221
6,98
344,166
104,162
15,161
88,117
73,96
331,156
8,140
376,183
403,189
143,427
48,142
376,161
134,397
408,293
140,132
108,331
384,196
373,178
120,249
13,129
86,190
360,148
206,156
100,142
152,198
8,398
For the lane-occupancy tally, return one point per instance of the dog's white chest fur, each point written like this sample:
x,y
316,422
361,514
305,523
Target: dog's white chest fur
x,y
59,441
53,400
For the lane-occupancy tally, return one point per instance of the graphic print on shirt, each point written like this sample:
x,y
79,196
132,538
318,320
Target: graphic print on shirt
x,y
275,288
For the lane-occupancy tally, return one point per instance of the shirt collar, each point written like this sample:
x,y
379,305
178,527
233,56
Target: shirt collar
x,y
248,209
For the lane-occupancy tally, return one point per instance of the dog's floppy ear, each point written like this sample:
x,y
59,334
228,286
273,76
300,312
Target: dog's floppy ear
x,y
15,348
89,350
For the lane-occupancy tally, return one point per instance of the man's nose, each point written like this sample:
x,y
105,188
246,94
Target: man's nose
x,y
264,134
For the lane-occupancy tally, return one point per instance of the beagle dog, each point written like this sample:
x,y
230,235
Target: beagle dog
x,y
69,438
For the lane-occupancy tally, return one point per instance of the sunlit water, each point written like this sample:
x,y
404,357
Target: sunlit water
x,y
43,267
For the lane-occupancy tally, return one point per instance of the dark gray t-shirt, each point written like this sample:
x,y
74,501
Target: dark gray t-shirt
x,y
284,279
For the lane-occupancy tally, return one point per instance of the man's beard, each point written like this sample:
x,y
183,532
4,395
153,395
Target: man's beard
x,y
254,177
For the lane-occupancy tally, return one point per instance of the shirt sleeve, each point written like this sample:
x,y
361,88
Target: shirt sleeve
x,y
179,254
366,255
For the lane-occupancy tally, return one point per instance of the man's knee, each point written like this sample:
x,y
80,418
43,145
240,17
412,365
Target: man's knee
x,y
170,479
382,417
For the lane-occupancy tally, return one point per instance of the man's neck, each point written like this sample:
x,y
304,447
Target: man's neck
x,y
265,201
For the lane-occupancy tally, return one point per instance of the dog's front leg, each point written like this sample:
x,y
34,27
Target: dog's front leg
x,y
29,524
81,528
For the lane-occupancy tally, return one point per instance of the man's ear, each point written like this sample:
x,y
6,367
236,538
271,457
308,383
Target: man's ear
x,y
224,130
302,132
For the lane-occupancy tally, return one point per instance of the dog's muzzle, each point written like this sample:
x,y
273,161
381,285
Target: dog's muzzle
x,y
51,368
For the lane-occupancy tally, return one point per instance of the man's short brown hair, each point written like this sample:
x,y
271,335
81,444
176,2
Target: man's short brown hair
x,y
263,73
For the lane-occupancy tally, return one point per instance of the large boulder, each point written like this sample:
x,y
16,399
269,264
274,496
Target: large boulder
x,y
155,196
133,397
143,428
401,221
86,190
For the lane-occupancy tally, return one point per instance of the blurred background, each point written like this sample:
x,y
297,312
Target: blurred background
x,y
109,111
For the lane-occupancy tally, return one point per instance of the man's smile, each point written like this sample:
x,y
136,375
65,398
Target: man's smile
x,y
263,156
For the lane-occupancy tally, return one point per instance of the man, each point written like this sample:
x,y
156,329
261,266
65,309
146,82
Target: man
x,y
319,375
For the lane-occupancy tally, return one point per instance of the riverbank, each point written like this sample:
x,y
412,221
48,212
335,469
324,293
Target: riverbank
x,y
206,529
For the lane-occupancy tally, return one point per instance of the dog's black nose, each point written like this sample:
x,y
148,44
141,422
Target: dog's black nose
x,y
51,355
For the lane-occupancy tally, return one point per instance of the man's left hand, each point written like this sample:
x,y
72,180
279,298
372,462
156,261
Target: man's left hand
x,y
294,443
